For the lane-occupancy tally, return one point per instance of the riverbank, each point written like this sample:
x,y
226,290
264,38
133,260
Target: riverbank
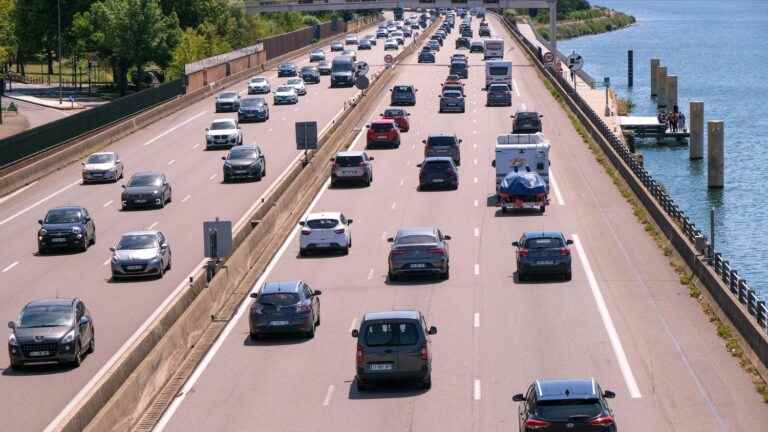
x,y
596,20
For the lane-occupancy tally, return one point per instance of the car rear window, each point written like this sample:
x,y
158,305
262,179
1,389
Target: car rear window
x,y
279,299
568,409
498,88
451,94
442,141
498,70
401,89
391,334
348,161
381,127
415,239
438,166
322,223
145,180
393,113
544,243
100,158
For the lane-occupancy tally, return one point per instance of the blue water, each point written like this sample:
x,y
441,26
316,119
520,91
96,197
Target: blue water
x,y
719,51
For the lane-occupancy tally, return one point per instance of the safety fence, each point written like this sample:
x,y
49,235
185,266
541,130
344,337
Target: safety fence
x,y
741,291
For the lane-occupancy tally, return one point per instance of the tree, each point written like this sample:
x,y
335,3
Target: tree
x,y
130,33
196,44
7,32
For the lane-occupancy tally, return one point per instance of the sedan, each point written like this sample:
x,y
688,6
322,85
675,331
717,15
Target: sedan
x,y
476,47
433,45
337,46
324,68
365,44
286,94
66,228
146,188
246,161
325,231
381,34
227,101
258,85
298,85
350,40
390,44
223,133
426,56
51,330
310,74
419,251
140,254
499,95
104,166
317,56
543,253
284,307
286,70
253,108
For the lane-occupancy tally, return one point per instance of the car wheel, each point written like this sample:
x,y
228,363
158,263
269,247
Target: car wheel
x,y
311,333
254,336
226,179
503,209
392,277
161,273
447,273
302,252
542,209
258,176
84,246
427,383
345,251
78,357
568,275
368,181
162,203
521,276
92,344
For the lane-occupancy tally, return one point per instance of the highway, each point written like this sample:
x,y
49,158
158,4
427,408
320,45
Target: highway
x,y
30,399
623,319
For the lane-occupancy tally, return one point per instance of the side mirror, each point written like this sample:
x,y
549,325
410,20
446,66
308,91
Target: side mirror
x,y
223,158
512,116
447,237
40,221
355,333
493,163
518,397
318,292
84,320
367,126
391,240
11,325
349,221
609,394
87,218
302,223
516,243
461,140
418,165
164,246
333,159
432,330
253,295
541,115
569,241
206,129
423,141
112,249
122,186
371,158
82,163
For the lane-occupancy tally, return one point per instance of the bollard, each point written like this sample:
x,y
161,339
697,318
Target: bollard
x,y
670,91
655,63
716,151
661,99
696,122
630,68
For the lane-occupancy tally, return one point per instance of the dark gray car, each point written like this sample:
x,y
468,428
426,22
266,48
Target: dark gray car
x,y
443,144
403,94
310,74
438,172
285,307
452,101
64,228
393,346
52,330
146,189
499,94
543,253
140,254
419,251
246,161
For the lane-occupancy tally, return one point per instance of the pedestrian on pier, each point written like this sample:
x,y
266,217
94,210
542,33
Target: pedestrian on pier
x,y
681,120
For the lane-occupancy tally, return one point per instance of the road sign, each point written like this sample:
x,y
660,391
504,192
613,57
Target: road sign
x,y
362,68
306,135
388,59
549,57
217,238
575,62
362,83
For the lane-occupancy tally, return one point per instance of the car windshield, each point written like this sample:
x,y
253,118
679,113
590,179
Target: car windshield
x,y
286,66
242,153
342,66
46,316
139,241
441,141
252,102
258,80
279,299
222,125
415,239
544,243
295,81
393,113
228,95
146,180
317,52
437,166
100,158
325,223
308,69
526,122
391,334
568,409
381,127
60,216
283,89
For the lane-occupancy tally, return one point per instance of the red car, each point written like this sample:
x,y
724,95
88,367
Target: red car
x,y
400,116
383,131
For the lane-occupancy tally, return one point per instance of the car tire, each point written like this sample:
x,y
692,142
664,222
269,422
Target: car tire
x,y
162,203
311,333
427,383
568,276
345,251
84,246
227,179
16,366
503,209
522,277
302,252
92,344
542,209
161,273
254,336
78,357
93,239
447,274
392,277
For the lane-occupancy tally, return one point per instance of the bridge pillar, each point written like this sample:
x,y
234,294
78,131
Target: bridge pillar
x,y
716,152
553,27
661,81
654,76
670,92
697,130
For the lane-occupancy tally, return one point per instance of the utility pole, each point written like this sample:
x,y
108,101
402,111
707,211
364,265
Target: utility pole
x,y
61,81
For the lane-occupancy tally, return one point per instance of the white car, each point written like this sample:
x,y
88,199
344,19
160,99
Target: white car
x,y
390,44
285,94
298,84
350,40
258,85
103,166
316,56
325,231
223,133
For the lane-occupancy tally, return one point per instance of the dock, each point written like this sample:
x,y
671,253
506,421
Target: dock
x,y
649,128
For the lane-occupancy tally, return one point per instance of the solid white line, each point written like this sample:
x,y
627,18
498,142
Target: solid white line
x,y
514,86
186,198
12,265
174,128
17,191
172,161
477,320
353,325
477,203
108,203
558,195
213,176
21,212
370,274
477,269
477,232
613,335
154,224
476,391
107,262
328,395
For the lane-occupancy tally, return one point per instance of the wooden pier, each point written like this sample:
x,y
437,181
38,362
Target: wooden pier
x,y
649,128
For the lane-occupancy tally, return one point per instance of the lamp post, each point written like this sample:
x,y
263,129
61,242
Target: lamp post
x,y
61,81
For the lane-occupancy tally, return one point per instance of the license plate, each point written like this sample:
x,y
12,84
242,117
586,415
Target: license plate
x,y
380,367
133,267
437,180
58,240
348,172
421,265
323,245
39,353
278,323
545,262
382,137
97,174
140,201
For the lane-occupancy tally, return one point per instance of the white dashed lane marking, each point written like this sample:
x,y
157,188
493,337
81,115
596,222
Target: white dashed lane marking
x,y
10,266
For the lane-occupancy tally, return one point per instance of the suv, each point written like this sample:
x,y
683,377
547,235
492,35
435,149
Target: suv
x,y
499,95
102,166
383,131
462,42
485,31
310,74
526,122
438,172
403,94
452,101
245,161
393,346
459,67
317,55
577,405
419,251
426,56
227,101
543,253
351,166
66,227
443,144
284,307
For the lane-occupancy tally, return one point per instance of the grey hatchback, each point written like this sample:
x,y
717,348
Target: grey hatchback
x,y
393,346
443,144
284,307
419,251
543,253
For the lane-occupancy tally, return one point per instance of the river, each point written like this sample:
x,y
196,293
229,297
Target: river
x,y
719,51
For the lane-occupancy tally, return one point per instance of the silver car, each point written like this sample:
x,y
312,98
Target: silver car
x,y
352,166
104,166
419,251
141,253
227,101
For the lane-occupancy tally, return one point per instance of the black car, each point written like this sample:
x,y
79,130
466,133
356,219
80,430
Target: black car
x,y
253,108
66,228
467,33
573,405
542,253
459,67
286,70
310,74
426,56
403,94
284,307
499,95
245,161
526,122
146,189
52,330
324,68
476,47
438,38
484,31
438,172
462,42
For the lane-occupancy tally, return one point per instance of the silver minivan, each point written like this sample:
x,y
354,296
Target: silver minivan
x,y
443,144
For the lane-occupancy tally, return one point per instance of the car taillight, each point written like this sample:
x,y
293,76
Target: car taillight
x,y
306,231
424,353
303,307
536,424
436,250
604,420
522,253
397,253
339,231
359,355
565,251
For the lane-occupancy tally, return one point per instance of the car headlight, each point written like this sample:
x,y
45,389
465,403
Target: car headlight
x,y
43,231
12,340
69,337
114,258
227,164
156,192
76,230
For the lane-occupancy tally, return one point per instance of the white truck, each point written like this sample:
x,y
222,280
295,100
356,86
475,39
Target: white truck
x,y
498,71
493,49
521,153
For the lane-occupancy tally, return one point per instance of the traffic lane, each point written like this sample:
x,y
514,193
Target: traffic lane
x,y
646,291
104,303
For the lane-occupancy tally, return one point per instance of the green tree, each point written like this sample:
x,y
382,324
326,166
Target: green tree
x,y
7,32
196,44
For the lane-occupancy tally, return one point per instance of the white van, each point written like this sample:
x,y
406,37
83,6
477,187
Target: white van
x,y
521,153
493,49
498,71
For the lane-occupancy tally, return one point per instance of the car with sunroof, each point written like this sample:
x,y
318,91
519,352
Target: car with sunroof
x,y
146,189
67,227
419,251
141,254
102,166
543,253
244,162
286,307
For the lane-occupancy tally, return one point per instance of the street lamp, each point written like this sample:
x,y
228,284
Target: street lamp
x,y
61,81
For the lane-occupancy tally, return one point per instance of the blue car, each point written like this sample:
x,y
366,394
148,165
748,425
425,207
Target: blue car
x,y
286,70
543,253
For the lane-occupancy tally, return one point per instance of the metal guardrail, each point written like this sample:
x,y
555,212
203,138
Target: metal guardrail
x,y
740,289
